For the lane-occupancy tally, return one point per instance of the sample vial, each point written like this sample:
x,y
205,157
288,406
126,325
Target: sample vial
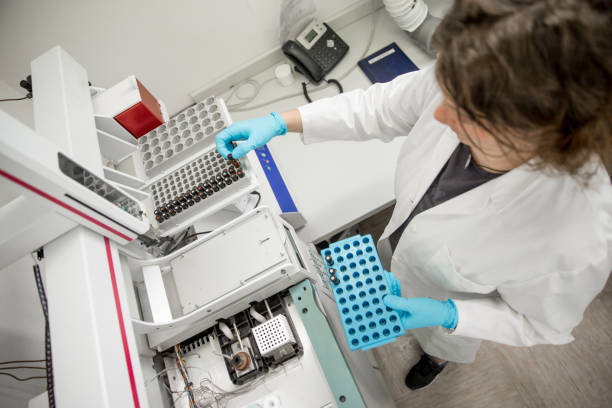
x,y
329,260
234,162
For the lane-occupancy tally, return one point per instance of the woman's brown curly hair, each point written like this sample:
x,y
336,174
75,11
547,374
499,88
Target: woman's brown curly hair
x,y
533,72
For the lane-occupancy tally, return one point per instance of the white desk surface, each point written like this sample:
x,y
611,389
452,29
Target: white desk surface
x,y
335,184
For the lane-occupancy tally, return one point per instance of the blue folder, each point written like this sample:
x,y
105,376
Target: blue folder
x,y
386,63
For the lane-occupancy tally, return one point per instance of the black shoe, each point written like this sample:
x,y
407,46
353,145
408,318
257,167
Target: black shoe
x,y
423,373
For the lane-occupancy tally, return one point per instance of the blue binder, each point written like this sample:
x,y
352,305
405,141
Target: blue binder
x,y
386,63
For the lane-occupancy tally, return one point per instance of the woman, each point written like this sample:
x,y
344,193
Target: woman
x,y
502,228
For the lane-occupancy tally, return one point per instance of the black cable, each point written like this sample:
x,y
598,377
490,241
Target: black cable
x,y
48,361
258,198
15,99
329,81
305,91
337,83
21,361
20,367
23,379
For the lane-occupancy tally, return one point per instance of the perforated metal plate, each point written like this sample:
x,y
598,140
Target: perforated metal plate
x,y
273,334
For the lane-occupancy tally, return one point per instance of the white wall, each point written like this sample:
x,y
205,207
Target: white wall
x,y
173,47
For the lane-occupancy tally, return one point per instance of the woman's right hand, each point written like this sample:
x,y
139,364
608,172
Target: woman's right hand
x,y
254,132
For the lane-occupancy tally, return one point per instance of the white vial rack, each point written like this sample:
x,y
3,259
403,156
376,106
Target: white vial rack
x,y
273,334
206,183
172,142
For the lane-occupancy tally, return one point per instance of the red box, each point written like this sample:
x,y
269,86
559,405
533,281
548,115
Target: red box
x,y
143,117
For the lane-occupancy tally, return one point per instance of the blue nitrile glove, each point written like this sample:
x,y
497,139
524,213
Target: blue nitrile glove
x,y
257,132
423,312
394,284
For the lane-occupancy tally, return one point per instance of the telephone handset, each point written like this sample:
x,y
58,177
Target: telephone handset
x,y
316,51
304,63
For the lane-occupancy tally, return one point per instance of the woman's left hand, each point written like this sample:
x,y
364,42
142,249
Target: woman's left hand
x,y
423,312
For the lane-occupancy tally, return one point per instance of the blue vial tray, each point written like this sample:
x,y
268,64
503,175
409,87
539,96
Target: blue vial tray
x,y
367,322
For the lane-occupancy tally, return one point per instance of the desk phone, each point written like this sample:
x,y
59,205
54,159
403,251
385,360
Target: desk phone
x,y
316,51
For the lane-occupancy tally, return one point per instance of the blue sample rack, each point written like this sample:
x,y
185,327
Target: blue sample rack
x,y
359,287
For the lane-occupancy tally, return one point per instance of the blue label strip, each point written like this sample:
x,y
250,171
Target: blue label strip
x,y
279,188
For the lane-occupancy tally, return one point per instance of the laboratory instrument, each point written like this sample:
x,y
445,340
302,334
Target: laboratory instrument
x,y
173,301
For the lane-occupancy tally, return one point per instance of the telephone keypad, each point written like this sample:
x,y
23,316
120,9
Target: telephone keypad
x,y
329,50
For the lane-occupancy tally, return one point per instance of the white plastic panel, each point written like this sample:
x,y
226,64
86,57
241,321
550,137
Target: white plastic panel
x,y
227,261
156,292
216,281
89,314
30,168
63,111
120,177
114,148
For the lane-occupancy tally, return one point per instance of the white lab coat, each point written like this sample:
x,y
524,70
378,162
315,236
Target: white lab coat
x,y
522,255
